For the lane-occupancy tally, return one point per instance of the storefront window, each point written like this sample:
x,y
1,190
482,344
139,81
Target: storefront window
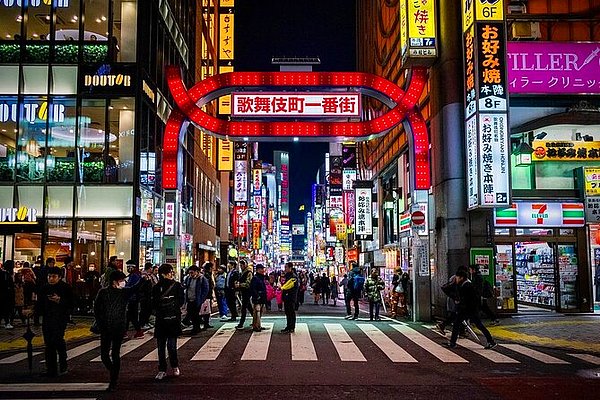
x,y
118,237
38,20
8,138
10,20
27,247
60,154
535,273
567,270
90,147
31,145
505,284
88,243
31,197
124,30
96,20
64,80
67,21
534,231
6,196
58,243
35,79
9,78
120,163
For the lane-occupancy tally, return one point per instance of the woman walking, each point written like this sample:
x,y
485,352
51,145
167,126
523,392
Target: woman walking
x,y
373,288
167,299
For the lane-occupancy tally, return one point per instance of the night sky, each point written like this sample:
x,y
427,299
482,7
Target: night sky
x,y
296,28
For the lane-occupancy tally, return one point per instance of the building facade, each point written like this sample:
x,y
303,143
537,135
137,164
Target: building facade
x,y
83,104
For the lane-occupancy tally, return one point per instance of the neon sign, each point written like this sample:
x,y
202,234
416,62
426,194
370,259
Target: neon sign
x,y
402,104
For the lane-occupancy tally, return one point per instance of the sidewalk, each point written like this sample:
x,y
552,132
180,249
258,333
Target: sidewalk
x,y
573,332
12,339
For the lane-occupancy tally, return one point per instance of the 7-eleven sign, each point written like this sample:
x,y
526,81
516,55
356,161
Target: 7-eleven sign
x,y
540,214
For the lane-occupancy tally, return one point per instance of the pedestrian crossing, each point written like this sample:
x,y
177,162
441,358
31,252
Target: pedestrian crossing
x,y
350,343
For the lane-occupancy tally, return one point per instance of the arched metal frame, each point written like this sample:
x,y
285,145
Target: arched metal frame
x,y
402,104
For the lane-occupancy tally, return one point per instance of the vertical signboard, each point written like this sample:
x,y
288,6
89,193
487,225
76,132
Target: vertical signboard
x,y
225,155
240,213
335,176
282,162
256,235
169,219
226,49
226,36
421,28
363,219
240,180
486,103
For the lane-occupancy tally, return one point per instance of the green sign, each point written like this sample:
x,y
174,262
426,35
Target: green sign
x,y
484,258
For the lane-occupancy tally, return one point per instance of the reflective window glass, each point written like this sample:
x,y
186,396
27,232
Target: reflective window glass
x,y
90,146
124,30
59,240
118,237
31,144
60,151
31,197
8,137
35,79
9,79
96,20
92,201
10,20
60,201
38,20
67,20
64,80
120,160
88,243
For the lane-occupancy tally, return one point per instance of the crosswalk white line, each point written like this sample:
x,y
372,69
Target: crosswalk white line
x,y
257,348
491,355
129,346
536,355
53,387
82,349
303,348
587,358
345,347
213,347
153,355
15,358
429,345
391,349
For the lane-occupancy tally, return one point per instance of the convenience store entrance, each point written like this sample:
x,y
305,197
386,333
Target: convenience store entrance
x,y
543,272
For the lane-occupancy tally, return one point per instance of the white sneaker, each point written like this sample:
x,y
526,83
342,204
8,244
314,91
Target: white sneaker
x,y
160,376
8,326
224,318
176,372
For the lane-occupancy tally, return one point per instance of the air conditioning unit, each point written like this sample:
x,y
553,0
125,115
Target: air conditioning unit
x,y
522,30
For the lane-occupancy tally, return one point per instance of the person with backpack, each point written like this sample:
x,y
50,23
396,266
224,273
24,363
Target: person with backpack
x,y
230,289
290,296
356,283
450,289
258,292
167,299
220,280
484,291
373,287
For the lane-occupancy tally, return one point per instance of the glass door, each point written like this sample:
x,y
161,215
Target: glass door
x,y
567,275
534,264
505,278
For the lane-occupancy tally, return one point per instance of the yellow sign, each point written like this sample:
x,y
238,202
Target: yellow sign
x,y
403,27
489,10
468,13
421,19
592,181
207,145
565,150
226,37
256,231
21,215
227,3
225,155
225,101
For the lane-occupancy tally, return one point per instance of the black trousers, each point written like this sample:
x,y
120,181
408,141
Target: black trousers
x,y
289,307
145,311
231,303
133,315
193,316
246,307
347,300
474,318
110,353
54,340
170,343
325,297
374,305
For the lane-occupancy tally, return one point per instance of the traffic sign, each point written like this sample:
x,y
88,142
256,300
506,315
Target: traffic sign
x,y
418,218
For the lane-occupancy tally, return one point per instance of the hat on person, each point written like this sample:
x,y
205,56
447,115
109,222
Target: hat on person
x,y
260,266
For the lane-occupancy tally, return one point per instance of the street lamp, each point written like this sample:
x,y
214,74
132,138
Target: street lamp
x,y
523,154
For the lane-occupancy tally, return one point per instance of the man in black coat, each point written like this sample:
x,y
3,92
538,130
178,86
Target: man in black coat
x,y
233,275
258,292
290,295
468,309
55,304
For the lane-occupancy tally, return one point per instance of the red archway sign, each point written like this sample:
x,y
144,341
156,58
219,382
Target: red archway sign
x,y
402,106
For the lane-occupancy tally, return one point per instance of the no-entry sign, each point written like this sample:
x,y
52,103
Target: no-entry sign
x,y
418,218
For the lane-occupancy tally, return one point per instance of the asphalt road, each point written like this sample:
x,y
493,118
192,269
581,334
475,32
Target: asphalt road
x,y
327,357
